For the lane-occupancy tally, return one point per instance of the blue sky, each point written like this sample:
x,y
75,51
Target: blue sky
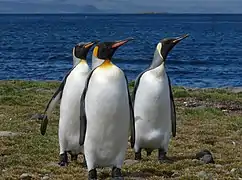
x,y
173,6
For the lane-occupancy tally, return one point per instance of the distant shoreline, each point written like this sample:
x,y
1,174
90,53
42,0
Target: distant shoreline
x,y
141,13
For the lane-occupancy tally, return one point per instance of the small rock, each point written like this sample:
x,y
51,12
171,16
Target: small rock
x,y
25,176
205,156
53,164
233,170
187,169
207,159
7,134
45,178
204,175
36,116
175,174
218,165
130,162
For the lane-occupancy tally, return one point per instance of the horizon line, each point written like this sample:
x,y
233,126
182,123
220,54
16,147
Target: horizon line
x,y
111,13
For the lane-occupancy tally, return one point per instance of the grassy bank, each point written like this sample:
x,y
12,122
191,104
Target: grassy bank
x,y
210,119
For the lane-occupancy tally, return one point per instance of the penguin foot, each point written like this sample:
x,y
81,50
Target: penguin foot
x,y
148,152
74,157
163,158
138,156
63,159
92,174
117,174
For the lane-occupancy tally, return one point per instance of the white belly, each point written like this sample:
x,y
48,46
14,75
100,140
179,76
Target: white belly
x,y
107,112
152,112
69,124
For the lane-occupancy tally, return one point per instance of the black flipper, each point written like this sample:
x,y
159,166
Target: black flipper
x,y
52,103
83,118
132,119
136,84
173,110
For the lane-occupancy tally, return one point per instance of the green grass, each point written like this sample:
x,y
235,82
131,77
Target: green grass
x,y
213,121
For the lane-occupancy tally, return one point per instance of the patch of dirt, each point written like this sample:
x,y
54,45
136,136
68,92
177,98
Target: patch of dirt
x,y
225,106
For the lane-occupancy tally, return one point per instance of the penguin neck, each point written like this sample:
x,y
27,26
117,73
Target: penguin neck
x,y
159,71
157,60
83,61
96,61
106,64
75,60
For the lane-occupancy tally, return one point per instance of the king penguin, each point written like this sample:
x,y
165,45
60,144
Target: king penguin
x,y
70,92
106,114
154,108
79,53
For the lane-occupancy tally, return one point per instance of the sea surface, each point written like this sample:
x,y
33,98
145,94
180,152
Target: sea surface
x,y
39,47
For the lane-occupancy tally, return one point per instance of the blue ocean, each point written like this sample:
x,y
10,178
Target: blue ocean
x,y
39,47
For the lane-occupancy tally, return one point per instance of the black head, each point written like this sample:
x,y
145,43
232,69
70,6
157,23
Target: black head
x,y
81,49
168,43
106,50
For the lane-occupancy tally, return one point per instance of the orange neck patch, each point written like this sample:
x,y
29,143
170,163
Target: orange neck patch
x,y
83,61
106,64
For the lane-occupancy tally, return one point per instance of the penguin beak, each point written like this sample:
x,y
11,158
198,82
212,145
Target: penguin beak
x,y
121,42
175,41
90,44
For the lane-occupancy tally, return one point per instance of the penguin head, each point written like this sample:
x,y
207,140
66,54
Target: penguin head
x,y
81,50
105,50
166,45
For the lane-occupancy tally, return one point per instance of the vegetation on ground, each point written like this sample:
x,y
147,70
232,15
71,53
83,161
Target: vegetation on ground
x,y
207,119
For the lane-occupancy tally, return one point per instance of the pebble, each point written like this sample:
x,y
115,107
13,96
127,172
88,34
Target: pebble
x,y
207,159
25,176
175,174
233,170
7,134
204,175
218,165
53,164
205,156
45,178
36,116
130,162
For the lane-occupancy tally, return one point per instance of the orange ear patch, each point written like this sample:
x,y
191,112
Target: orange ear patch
x,y
95,51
